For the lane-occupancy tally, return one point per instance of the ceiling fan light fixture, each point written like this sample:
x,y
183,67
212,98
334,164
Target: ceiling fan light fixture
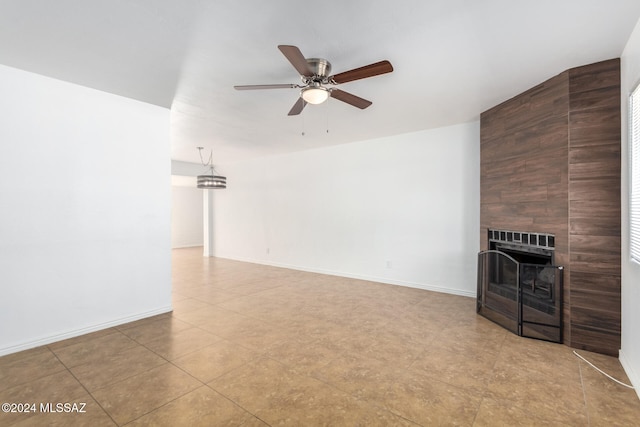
x,y
315,94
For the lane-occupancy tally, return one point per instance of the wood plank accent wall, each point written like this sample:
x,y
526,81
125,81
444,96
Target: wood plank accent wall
x,y
550,163
594,206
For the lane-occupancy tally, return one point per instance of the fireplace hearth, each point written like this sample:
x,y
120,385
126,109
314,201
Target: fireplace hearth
x,y
519,287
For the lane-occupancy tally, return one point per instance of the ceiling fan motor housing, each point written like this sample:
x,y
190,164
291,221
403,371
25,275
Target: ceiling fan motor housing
x,y
319,66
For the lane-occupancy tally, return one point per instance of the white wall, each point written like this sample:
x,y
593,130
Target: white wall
x,y
85,214
186,205
186,215
185,169
402,210
630,352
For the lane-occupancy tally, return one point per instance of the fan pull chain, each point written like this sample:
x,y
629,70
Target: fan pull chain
x,y
327,108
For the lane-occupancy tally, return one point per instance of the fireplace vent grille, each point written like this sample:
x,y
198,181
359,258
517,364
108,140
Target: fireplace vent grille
x,y
538,240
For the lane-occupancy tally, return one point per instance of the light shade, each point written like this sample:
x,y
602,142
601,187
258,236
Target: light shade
x,y
212,182
315,95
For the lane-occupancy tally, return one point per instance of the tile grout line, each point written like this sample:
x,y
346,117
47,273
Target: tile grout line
x,y
202,383
129,377
62,369
85,388
493,372
228,397
337,388
169,362
584,394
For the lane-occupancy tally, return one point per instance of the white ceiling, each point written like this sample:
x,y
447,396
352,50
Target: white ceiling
x,y
453,59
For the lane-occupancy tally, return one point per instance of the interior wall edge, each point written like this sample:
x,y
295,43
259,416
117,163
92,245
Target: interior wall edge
x,y
634,377
395,282
82,331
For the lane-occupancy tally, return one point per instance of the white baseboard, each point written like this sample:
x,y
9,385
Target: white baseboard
x,y
631,373
77,332
187,245
407,284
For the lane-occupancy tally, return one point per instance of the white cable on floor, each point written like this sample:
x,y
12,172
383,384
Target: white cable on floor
x,y
602,372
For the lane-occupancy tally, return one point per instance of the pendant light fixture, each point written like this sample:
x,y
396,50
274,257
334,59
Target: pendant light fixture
x,y
210,181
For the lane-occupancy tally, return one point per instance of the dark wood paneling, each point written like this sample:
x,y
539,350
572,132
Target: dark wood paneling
x,y
605,189
595,76
550,162
600,169
588,282
524,163
528,108
604,320
594,227
593,262
600,245
584,298
594,339
593,126
597,98
594,207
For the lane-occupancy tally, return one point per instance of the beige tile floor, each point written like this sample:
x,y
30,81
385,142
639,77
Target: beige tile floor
x,y
255,345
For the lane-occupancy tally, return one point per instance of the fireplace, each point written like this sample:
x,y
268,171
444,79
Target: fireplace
x,y
519,287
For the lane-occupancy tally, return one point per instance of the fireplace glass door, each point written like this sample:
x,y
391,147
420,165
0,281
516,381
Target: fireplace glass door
x,y
524,298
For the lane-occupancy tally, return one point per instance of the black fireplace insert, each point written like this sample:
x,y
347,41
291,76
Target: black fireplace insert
x,y
519,287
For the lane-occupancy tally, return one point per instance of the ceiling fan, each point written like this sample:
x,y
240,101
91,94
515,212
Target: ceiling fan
x,y
316,74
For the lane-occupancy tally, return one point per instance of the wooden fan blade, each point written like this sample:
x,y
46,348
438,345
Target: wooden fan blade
x,y
297,107
252,87
370,70
349,98
297,59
